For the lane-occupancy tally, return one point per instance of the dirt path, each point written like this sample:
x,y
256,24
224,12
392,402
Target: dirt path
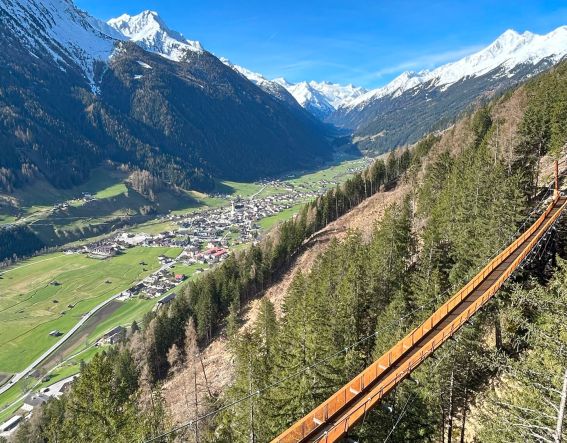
x,y
81,335
217,361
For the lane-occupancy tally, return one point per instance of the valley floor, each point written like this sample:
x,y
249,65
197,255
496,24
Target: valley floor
x,y
51,292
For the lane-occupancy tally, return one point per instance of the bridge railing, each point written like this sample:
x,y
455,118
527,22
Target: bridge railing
x,y
349,393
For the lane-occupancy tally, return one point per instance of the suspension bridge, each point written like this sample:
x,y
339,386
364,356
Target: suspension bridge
x,y
332,420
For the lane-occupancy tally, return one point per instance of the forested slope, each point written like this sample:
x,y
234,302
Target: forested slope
x,y
186,122
473,193
473,186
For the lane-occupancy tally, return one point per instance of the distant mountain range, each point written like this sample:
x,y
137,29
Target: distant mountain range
x,y
416,103
322,98
75,92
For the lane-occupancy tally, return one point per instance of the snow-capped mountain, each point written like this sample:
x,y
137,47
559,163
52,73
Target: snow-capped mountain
x,y
338,95
150,32
308,97
440,94
160,103
269,86
323,98
71,37
506,52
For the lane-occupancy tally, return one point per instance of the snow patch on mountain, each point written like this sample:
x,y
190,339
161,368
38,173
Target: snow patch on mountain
x,y
150,32
58,28
322,97
337,94
308,97
271,87
507,52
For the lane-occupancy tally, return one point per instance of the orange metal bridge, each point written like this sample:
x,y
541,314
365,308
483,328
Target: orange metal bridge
x,y
332,420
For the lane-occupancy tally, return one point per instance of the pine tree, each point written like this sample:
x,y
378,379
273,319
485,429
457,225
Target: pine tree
x,y
525,405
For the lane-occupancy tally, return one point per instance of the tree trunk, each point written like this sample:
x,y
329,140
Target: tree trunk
x,y
466,402
442,421
205,376
464,418
560,416
498,332
451,409
196,400
252,432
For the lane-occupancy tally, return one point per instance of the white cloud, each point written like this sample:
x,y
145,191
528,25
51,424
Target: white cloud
x,y
426,61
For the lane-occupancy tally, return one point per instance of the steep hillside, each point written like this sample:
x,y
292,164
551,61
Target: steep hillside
x,y
218,365
75,92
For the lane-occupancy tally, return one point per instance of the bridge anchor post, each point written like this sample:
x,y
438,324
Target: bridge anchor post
x,y
556,190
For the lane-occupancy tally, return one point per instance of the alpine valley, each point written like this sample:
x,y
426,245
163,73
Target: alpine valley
x,y
76,92
192,250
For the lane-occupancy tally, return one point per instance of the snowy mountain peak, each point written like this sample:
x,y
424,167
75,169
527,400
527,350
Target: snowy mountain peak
x,y
61,30
149,31
321,98
269,86
509,50
337,94
308,97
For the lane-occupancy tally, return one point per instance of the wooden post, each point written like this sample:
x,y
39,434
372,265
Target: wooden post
x,y
556,192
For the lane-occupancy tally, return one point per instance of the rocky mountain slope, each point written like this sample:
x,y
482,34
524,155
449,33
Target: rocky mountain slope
x,y
415,103
75,91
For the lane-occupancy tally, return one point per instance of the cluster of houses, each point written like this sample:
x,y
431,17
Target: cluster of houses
x,y
32,401
154,285
200,232
85,198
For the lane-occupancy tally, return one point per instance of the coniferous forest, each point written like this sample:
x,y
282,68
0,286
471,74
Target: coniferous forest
x,y
472,188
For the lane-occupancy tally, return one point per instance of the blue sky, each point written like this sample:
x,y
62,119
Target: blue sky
x,y
358,41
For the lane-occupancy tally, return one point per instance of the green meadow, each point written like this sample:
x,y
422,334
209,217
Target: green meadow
x,y
36,295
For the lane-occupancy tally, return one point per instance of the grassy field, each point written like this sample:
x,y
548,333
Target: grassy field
x,y
27,308
31,306
335,173
130,310
114,203
66,369
103,183
286,214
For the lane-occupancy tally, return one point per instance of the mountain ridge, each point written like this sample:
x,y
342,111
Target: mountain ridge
x,y
149,31
74,96
414,104
509,49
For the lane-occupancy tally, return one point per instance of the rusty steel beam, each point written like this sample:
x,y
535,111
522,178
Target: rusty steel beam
x,y
332,420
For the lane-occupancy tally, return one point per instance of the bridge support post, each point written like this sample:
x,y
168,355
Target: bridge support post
x,y
561,413
556,190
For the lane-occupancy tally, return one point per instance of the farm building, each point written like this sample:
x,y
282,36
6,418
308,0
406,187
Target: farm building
x,y
164,301
34,400
113,335
9,426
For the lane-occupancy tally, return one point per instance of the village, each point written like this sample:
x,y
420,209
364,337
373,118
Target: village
x,y
206,237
